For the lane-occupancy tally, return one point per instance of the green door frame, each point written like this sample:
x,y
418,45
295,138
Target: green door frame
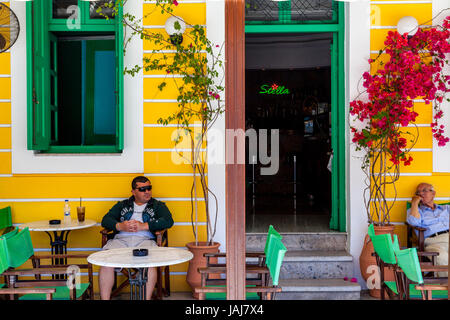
x,y
338,186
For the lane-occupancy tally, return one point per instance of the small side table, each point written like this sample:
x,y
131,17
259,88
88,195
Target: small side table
x,y
58,233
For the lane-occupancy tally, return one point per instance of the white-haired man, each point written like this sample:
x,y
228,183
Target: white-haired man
x,y
435,218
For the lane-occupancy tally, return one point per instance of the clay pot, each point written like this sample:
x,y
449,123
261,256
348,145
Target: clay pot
x,y
368,263
193,277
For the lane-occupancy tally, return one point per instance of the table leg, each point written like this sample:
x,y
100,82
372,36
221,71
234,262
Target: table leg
x,y
58,245
138,284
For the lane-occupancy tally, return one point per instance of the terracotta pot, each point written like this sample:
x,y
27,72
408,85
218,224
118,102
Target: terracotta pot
x,y
198,249
368,263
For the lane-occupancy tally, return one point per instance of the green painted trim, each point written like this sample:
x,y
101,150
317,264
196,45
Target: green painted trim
x,y
290,28
44,123
342,124
334,221
83,18
338,114
120,80
29,37
82,149
82,28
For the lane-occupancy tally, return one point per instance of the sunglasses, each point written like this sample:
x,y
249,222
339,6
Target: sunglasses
x,y
143,189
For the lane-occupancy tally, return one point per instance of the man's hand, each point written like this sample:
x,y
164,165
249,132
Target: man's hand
x,y
415,201
131,226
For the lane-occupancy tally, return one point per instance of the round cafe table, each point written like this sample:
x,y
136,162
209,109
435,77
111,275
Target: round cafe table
x,y
124,258
58,233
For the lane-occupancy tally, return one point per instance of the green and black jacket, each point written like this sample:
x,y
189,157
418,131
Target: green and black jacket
x,y
156,214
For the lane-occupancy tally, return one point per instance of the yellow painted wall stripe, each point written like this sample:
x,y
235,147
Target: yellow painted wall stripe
x,y
5,163
193,13
5,88
5,138
390,14
165,137
167,162
5,113
75,186
27,211
5,63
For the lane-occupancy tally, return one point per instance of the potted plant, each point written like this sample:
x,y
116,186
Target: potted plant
x,y
197,65
413,70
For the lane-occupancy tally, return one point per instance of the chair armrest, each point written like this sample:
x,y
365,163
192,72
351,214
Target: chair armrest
x,y
223,269
161,237
427,253
431,287
434,268
35,271
415,227
47,291
224,254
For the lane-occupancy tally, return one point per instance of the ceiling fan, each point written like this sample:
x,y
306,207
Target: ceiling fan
x,y
9,27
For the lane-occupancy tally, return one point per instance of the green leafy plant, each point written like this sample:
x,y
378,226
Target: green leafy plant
x,y
195,68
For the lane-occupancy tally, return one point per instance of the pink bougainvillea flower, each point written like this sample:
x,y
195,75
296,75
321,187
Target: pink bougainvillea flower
x,y
414,70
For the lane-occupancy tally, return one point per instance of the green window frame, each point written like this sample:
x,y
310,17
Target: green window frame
x,y
42,70
338,114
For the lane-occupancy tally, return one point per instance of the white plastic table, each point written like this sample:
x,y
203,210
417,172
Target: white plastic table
x,y
123,258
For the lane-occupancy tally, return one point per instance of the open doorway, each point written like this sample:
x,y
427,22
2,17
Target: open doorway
x,y
288,88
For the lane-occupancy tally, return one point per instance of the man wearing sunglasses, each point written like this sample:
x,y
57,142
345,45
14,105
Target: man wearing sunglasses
x,y
133,220
434,217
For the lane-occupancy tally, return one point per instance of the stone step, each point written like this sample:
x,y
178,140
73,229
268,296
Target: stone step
x,y
318,289
331,241
316,264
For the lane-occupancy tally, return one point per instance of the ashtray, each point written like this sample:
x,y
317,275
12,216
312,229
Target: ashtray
x,y
54,222
140,252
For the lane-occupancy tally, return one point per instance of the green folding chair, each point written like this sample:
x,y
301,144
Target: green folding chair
x,y
6,221
384,253
19,250
270,272
215,268
414,283
4,265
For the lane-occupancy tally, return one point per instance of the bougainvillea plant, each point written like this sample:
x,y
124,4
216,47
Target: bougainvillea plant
x,y
414,70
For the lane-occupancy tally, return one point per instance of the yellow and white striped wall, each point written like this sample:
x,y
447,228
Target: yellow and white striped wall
x,y
35,186
368,25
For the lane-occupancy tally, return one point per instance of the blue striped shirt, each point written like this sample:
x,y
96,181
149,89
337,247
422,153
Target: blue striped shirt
x,y
434,220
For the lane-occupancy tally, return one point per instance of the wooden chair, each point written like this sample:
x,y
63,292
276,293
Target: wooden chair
x,y
415,236
265,286
162,240
18,250
415,286
4,265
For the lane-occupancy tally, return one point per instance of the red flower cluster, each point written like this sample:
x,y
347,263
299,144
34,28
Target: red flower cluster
x,y
413,71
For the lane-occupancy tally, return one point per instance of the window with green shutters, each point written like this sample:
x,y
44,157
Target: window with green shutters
x,y
75,77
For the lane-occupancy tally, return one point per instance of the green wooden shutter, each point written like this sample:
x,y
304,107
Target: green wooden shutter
x,y
39,117
119,79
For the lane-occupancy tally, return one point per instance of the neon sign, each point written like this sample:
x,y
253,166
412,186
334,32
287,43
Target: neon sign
x,y
274,89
